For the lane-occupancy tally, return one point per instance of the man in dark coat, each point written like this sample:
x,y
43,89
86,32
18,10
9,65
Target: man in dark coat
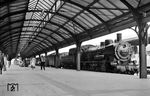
x,y
1,61
42,62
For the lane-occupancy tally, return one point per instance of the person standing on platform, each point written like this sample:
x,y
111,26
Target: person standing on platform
x,y
42,62
9,61
1,61
5,62
33,61
148,59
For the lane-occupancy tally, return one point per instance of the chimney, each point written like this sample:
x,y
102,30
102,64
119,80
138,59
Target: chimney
x,y
119,37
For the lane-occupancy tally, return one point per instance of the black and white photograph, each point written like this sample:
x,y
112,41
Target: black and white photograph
x,y
74,47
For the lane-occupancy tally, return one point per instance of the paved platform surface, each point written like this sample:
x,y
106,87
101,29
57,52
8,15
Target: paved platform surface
x,y
62,82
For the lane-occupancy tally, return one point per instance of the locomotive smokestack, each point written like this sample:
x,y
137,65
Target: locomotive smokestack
x,y
119,37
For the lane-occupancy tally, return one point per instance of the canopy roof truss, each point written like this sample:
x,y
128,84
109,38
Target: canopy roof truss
x,y
31,27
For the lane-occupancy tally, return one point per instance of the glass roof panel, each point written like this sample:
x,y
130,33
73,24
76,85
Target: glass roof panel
x,y
17,17
57,37
40,37
89,17
50,26
18,3
26,33
4,21
32,4
116,12
3,11
4,29
72,7
133,3
101,14
69,10
70,27
118,3
107,13
84,18
24,36
64,33
4,34
15,35
43,6
47,42
16,30
15,25
46,31
28,15
109,6
52,40
67,13
83,2
144,2
79,20
58,20
78,29
74,28
16,8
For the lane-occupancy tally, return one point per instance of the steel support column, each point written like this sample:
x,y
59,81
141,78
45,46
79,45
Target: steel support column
x,y
142,34
78,56
143,41
142,48
57,61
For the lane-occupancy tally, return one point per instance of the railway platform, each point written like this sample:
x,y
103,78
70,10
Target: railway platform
x,y
63,82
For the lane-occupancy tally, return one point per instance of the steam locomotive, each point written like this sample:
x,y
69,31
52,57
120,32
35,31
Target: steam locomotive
x,y
111,56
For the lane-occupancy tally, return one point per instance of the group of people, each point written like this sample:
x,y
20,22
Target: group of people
x,y
41,62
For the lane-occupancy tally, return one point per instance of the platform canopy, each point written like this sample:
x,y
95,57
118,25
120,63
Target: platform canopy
x,y
31,27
